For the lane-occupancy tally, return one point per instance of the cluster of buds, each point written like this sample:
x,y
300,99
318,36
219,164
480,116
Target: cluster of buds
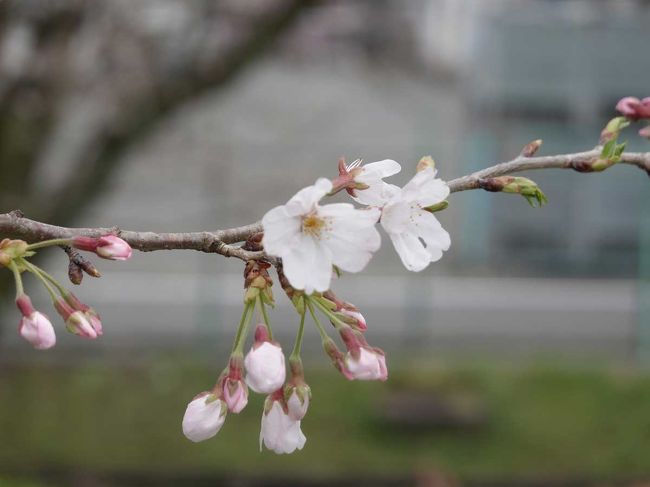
x,y
263,369
80,319
515,184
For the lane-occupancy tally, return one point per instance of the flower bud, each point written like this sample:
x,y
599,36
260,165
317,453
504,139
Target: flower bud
x,y
107,246
531,148
279,432
265,369
613,129
235,393
515,184
370,364
633,108
425,163
297,398
645,132
76,321
204,417
34,326
91,315
346,312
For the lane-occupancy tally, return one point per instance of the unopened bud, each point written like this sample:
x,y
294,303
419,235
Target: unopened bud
x,y
34,326
297,397
645,132
107,246
75,274
613,129
531,148
515,184
633,108
425,163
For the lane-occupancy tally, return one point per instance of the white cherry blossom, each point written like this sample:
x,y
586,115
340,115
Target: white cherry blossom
x,y
417,235
311,238
279,432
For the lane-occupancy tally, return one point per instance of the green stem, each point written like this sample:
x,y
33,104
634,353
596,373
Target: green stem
x,y
62,290
295,354
36,271
246,316
50,243
328,312
19,280
323,334
265,316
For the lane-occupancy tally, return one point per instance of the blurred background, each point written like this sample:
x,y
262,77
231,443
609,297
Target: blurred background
x,y
519,359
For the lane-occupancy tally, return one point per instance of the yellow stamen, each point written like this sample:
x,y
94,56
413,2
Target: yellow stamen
x,y
312,224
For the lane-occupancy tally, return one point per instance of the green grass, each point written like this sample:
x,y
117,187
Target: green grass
x,y
541,420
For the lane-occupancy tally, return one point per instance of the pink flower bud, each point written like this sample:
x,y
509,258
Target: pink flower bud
x,y
265,369
235,393
93,317
204,417
76,321
107,246
633,108
298,401
279,432
354,318
645,132
78,324
368,365
34,326
347,312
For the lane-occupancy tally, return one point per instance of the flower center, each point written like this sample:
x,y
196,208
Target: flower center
x,y
312,224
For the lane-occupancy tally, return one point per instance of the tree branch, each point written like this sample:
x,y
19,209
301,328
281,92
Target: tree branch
x,y
562,161
15,225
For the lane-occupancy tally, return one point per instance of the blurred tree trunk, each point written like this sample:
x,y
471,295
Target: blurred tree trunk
x,y
81,81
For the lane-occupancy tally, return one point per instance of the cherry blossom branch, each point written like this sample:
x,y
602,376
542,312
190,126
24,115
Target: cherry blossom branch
x,y
15,225
575,161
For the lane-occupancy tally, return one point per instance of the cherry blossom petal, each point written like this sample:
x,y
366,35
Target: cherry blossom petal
x,y
352,237
280,230
430,230
425,189
411,251
279,432
306,199
308,266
